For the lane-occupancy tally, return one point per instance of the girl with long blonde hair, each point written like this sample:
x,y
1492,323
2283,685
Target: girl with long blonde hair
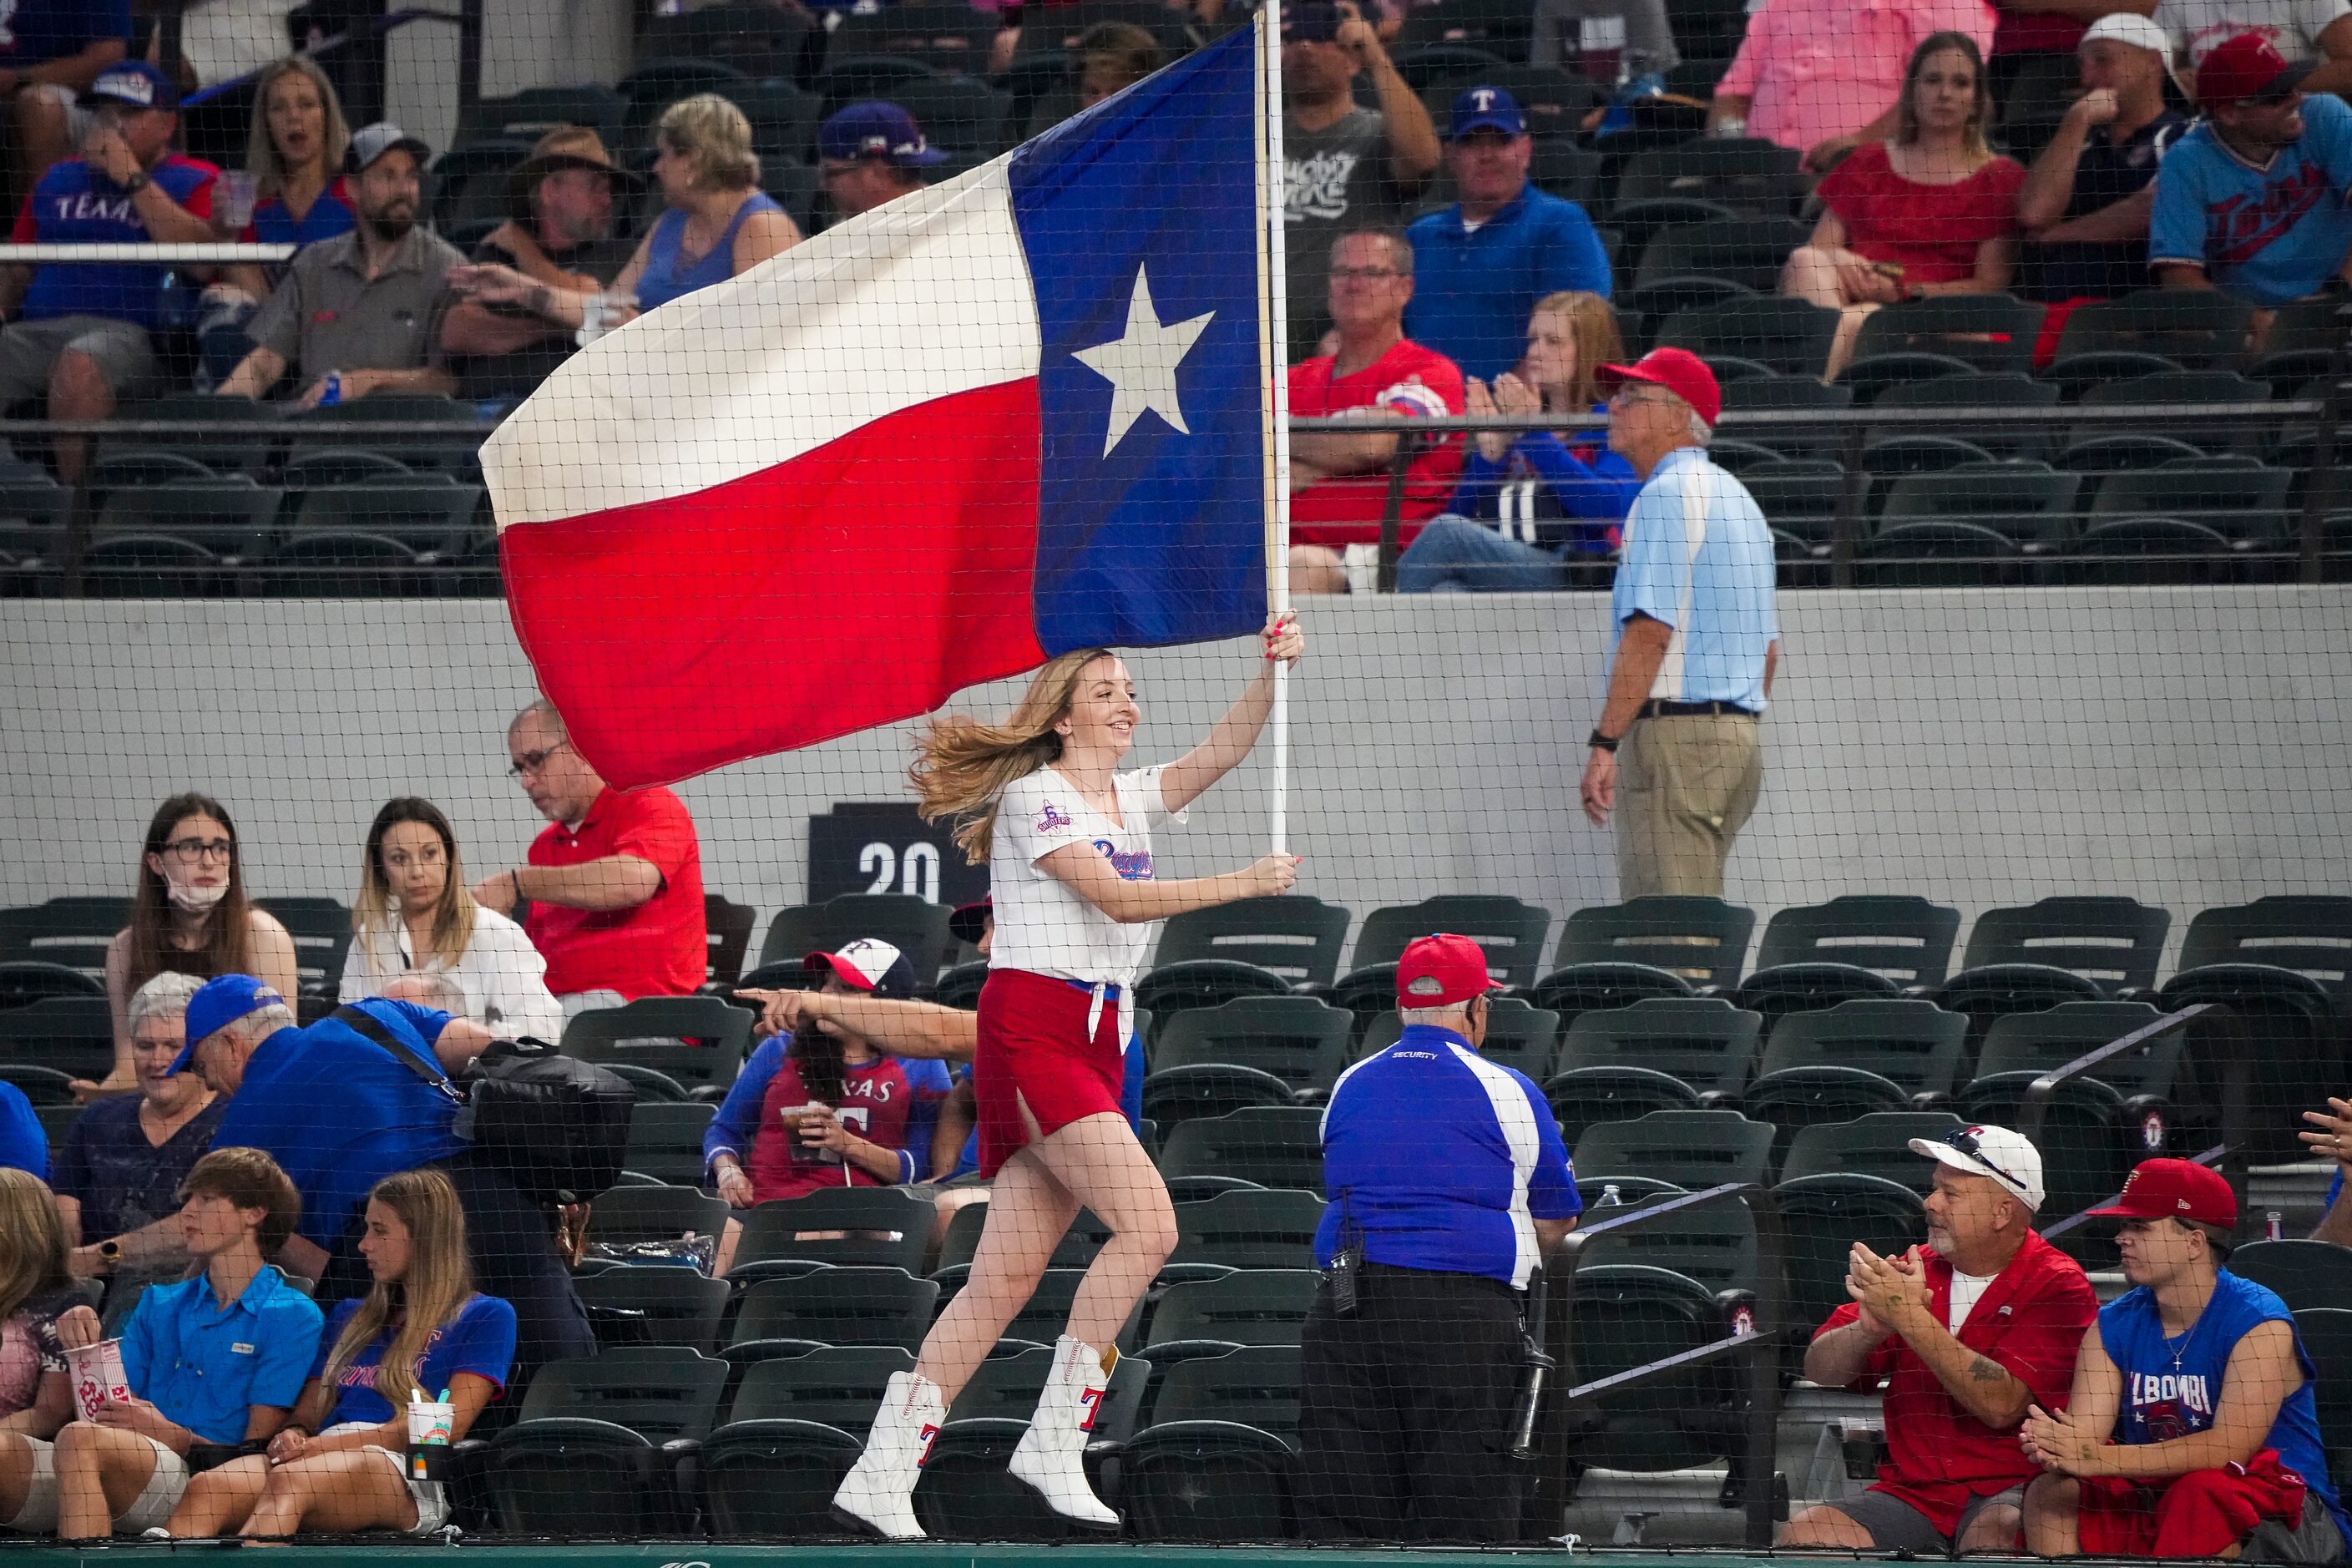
x,y
1068,841
1530,500
340,1464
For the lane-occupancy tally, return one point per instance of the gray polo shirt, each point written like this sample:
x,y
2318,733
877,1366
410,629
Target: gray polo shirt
x,y
329,315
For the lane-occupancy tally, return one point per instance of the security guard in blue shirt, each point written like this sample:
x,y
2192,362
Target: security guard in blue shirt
x,y
1448,1187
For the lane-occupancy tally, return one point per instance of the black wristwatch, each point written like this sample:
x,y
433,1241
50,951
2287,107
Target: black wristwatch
x,y
136,183
1601,742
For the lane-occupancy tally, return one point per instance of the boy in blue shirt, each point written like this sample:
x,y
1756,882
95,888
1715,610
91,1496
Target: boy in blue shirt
x,y
218,1359
2252,200
2192,1426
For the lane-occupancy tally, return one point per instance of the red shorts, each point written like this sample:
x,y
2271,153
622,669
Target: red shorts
x,y
2201,1514
1034,1046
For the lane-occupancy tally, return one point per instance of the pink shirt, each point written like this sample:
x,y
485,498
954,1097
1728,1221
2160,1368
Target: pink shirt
x,y
1820,68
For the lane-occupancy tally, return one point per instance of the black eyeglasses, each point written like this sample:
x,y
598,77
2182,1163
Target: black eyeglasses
x,y
202,848
532,762
1968,1143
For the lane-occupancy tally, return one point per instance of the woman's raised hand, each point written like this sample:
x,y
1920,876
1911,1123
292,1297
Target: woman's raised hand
x,y
1272,874
1285,642
1493,445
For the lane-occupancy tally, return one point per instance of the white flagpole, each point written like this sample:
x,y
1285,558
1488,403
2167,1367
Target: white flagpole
x,y
1275,359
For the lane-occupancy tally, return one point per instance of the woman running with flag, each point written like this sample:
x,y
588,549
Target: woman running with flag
x,y
1067,839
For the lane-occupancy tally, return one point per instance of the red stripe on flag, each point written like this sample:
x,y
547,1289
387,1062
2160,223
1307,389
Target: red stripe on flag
x,y
857,584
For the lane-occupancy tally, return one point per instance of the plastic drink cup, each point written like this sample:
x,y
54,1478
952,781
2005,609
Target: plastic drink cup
x,y
232,199
97,1372
429,1421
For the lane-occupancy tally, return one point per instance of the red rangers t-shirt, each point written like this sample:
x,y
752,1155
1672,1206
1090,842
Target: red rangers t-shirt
x,y
877,1103
1409,380
2031,1321
661,947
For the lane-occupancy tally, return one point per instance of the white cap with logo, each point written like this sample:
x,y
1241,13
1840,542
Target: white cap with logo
x,y
2013,1163
2124,27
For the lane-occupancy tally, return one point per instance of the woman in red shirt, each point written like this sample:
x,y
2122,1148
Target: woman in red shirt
x,y
1932,212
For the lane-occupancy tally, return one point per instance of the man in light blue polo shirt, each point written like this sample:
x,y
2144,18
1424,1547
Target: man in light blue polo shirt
x,y
1449,1187
1481,265
1695,639
217,1359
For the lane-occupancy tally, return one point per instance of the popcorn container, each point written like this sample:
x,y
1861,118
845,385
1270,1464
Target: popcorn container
x,y
429,1422
97,1372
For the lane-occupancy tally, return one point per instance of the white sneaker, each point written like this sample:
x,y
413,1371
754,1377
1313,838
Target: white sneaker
x,y
879,1493
1051,1454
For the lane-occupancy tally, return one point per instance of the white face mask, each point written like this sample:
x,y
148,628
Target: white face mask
x,y
194,899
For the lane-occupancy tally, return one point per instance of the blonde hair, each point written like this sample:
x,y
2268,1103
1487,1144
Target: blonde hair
x,y
964,766
377,910
1593,325
715,135
261,152
32,1241
435,1288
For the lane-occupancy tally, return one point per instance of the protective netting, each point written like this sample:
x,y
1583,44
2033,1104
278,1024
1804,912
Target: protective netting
x,y
1815,539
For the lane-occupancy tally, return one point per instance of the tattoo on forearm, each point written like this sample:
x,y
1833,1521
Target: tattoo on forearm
x,y
1984,1369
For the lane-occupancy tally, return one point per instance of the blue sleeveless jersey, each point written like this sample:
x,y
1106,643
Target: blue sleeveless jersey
x,y
2161,1402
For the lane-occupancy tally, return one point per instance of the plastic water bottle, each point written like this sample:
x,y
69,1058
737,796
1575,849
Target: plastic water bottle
x,y
2273,1226
1610,1197
333,393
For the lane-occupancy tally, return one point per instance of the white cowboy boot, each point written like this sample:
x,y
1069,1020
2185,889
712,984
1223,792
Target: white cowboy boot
x,y
1051,1454
879,1493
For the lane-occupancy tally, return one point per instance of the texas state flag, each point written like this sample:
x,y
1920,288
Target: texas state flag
x,y
1010,416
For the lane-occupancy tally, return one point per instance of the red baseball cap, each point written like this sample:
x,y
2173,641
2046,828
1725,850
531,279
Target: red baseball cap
x,y
2247,69
2177,1189
1679,370
1442,971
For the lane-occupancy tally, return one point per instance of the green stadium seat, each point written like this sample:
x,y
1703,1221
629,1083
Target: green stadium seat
x,y
23,980
1294,936
72,1034
584,1457
1249,1052
1693,1150
1248,1307
2113,941
1705,1042
881,1227
1629,1315
699,1041
655,1213
1509,932
677,1307
916,927
1580,988
2304,1273
1272,1229
1876,1145
1853,1059
834,1307
1715,1245
1821,1218
1991,331
1703,939
1902,936
666,1142
1275,1146
966,1492
1075,1250
2310,934
2198,328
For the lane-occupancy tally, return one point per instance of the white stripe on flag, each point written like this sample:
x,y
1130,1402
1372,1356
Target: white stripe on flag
x,y
923,299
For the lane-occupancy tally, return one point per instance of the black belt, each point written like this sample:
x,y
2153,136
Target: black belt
x,y
1654,708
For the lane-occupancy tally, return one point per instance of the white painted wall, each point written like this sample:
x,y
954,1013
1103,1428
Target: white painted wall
x,y
2184,746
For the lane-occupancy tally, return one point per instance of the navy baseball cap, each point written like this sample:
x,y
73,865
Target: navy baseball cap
x,y
1313,22
1486,109
218,1003
877,130
135,83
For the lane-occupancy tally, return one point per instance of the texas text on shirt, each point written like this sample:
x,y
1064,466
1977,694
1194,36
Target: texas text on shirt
x,y
1443,1159
76,205
2265,234
1698,557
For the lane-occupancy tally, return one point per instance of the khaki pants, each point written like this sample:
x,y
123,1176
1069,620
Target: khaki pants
x,y
1685,789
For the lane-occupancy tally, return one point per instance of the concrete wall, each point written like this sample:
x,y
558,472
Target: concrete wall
x,y
2183,746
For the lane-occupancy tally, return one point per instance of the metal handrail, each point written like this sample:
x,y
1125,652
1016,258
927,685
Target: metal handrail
x,y
1761,1347
1856,427
2232,1058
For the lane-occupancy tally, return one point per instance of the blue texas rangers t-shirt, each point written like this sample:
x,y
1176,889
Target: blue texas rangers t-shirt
x,y
2264,234
479,1340
76,203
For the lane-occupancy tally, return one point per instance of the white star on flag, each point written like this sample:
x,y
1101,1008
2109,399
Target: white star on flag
x,y
1140,365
